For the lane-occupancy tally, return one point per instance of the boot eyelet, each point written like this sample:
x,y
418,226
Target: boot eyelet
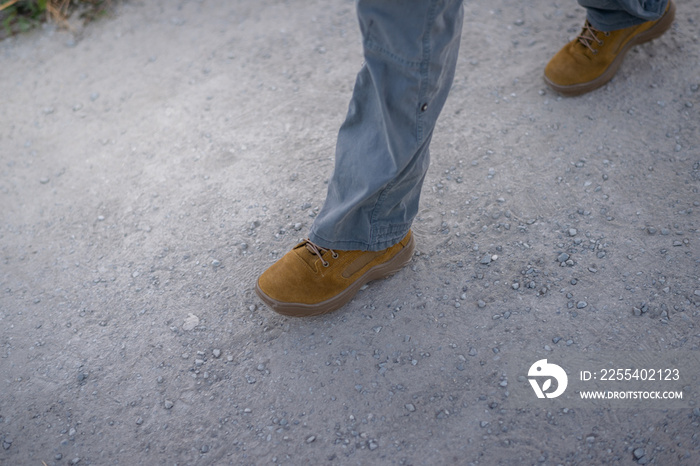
x,y
335,255
326,264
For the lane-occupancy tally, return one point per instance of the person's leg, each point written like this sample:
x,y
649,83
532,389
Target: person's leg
x,y
612,28
410,50
362,232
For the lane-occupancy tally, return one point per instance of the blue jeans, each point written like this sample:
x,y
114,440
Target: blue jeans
x,y
382,156
609,15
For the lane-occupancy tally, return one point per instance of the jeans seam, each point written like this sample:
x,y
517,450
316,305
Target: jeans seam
x,y
370,44
424,70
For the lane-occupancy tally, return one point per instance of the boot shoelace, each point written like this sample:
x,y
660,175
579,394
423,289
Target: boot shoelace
x,y
589,34
319,251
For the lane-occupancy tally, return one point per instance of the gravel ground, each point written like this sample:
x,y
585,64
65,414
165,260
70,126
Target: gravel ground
x,y
155,162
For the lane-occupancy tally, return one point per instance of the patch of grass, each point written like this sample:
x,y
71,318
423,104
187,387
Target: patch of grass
x,y
17,16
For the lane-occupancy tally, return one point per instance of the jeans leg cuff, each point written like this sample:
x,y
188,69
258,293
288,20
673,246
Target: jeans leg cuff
x,y
380,239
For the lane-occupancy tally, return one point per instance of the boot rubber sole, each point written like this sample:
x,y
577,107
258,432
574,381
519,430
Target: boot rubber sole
x,y
652,33
377,272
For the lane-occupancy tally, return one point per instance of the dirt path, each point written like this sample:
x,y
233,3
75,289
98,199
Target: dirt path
x,y
153,165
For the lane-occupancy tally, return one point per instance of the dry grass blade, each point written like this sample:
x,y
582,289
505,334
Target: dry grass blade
x,y
8,4
58,12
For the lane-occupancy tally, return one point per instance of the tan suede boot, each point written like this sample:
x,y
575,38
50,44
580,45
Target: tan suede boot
x,y
592,59
310,280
